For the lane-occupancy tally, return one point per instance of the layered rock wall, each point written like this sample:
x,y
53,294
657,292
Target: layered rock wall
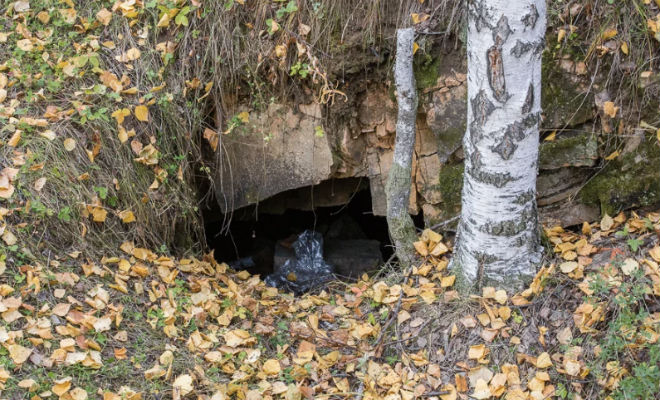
x,y
288,146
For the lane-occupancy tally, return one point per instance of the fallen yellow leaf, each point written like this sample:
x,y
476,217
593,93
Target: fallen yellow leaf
x,y
130,55
69,144
606,223
25,44
501,296
127,216
15,138
477,351
164,21
418,18
629,265
624,48
447,281
99,214
61,386
78,394
655,253
561,35
182,385
18,353
9,238
212,137
610,109
271,367
608,34
141,113
612,156
244,117
543,360
568,267
421,248
104,16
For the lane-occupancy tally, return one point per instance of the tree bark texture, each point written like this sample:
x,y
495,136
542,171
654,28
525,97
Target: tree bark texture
x,y
401,226
498,236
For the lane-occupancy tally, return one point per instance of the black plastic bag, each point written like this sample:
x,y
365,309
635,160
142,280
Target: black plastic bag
x,y
307,269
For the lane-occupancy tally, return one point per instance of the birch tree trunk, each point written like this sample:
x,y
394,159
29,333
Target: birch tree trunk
x,y
401,226
498,240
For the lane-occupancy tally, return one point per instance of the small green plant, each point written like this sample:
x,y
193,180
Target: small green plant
x,y
272,26
622,233
236,121
36,207
301,69
517,317
286,375
182,16
102,192
391,360
561,391
290,8
644,381
634,244
622,333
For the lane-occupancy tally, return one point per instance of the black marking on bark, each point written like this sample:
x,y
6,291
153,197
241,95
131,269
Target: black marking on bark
x,y
496,74
482,107
505,148
479,12
530,18
486,258
475,160
529,100
513,133
501,32
475,169
515,130
531,119
476,133
511,227
496,79
525,198
497,179
521,47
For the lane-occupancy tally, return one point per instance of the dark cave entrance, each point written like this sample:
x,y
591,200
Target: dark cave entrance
x,y
339,209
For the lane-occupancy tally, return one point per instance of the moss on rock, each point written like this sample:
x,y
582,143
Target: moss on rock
x,y
450,139
576,151
451,187
631,180
426,71
562,102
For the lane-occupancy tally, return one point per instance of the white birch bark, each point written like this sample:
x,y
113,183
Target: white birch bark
x,y
498,234
401,226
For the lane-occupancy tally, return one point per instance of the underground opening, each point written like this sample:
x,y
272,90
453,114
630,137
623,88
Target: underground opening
x,y
260,238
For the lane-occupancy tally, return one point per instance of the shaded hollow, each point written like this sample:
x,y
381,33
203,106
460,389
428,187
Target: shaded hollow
x,y
355,240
